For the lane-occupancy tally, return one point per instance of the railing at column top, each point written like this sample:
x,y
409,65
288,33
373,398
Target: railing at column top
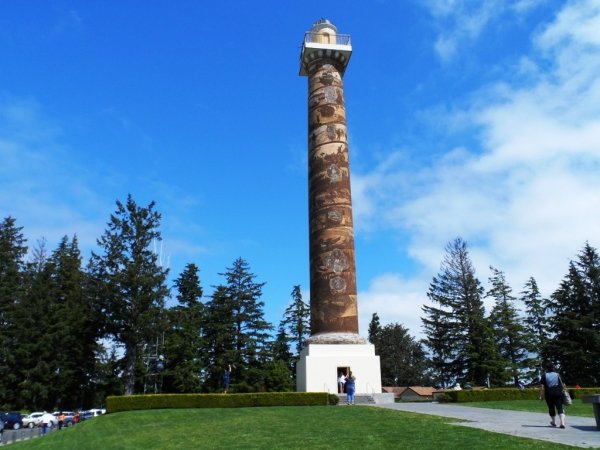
x,y
311,37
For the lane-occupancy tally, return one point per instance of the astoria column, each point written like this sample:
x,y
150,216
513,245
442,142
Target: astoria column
x,y
333,302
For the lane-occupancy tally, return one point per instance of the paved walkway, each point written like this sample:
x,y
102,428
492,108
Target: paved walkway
x,y
580,431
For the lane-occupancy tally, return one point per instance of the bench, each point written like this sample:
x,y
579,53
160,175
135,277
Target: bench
x,y
595,401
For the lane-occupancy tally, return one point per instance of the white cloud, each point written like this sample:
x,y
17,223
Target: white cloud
x,y
395,299
41,179
578,23
463,21
528,199
522,6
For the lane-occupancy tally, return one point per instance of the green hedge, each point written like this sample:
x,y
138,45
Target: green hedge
x,y
484,395
162,401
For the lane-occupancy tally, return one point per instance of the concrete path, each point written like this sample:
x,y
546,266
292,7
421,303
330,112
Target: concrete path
x,y
580,431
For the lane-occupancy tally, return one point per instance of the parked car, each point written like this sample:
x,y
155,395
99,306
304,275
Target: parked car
x,y
98,411
70,419
33,420
50,419
85,415
12,420
91,413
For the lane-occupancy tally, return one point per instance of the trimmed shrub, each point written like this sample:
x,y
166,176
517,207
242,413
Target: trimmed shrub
x,y
485,395
167,401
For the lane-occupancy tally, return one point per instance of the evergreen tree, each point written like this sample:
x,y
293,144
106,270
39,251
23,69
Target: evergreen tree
x,y
575,321
296,320
183,340
403,360
509,334
279,368
456,330
277,377
33,321
218,333
76,323
374,329
131,282
12,253
251,331
536,326
105,377
281,348
438,328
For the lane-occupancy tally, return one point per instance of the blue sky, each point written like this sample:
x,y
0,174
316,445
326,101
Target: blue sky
x,y
478,119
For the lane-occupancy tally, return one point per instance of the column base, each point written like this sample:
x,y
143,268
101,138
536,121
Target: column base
x,y
320,364
336,338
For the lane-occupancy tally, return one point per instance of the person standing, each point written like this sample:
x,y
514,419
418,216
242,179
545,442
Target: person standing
x,y
61,420
350,385
226,378
47,421
341,381
551,390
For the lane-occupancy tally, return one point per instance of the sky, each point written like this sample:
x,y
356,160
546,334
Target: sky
x,y
472,119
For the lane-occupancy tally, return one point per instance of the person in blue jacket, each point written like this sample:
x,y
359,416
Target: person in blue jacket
x,y
350,387
226,378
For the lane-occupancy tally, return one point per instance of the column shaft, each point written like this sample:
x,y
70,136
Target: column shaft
x,y
333,302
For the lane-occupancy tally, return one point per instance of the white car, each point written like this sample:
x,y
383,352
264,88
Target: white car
x,y
49,419
33,420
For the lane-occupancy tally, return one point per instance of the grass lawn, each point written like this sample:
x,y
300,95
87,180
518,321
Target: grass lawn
x,y
578,408
277,427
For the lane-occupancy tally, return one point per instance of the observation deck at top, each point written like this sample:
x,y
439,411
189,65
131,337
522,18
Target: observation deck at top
x,y
325,43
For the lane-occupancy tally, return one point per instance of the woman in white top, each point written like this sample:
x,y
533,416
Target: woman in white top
x,y
552,390
341,382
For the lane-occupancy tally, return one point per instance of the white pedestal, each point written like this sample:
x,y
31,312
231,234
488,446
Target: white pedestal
x,y
319,365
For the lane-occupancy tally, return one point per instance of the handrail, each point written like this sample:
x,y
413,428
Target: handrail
x,y
322,38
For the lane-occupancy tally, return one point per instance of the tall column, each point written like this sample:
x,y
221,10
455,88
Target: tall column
x,y
333,302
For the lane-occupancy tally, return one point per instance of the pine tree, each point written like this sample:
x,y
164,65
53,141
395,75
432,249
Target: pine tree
x,y
374,329
403,360
219,333
76,325
536,326
33,322
575,321
12,253
183,340
105,377
276,379
131,282
296,320
281,348
509,334
438,328
251,330
457,331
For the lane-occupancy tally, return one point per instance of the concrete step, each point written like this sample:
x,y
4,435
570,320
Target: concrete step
x,y
359,399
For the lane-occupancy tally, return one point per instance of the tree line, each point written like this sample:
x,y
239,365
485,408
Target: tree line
x,y
509,345
73,333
